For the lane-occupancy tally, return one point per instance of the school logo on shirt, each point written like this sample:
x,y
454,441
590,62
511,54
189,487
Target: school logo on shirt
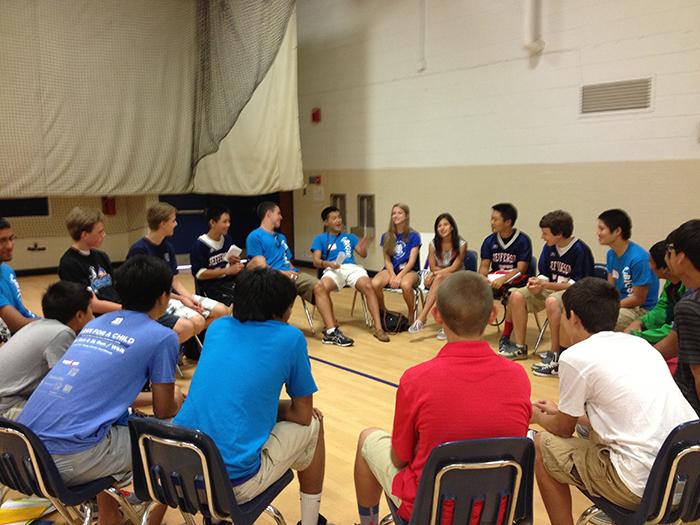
x,y
627,279
117,321
400,249
346,246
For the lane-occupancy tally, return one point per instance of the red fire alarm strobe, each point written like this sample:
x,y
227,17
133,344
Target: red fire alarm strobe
x,y
316,115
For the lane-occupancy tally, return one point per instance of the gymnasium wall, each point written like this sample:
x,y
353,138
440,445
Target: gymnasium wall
x,y
438,104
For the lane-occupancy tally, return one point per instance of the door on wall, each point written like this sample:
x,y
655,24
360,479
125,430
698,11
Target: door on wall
x,y
191,222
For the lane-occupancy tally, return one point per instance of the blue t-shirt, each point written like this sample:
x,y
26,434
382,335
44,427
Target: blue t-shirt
x,y
10,294
163,251
563,265
272,246
632,269
505,254
235,391
402,251
331,245
98,378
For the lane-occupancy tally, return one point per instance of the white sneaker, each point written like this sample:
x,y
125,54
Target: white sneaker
x,y
416,327
441,336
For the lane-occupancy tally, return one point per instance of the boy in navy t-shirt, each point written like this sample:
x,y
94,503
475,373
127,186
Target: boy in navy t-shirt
x,y
213,267
628,267
79,410
334,253
563,261
235,395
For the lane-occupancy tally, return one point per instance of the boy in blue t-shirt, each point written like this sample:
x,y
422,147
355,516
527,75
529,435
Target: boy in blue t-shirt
x,y
13,314
628,267
79,409
234,396
334,253
563,261
266,247
213,267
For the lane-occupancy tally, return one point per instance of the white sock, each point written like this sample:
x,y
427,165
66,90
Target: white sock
x,y
310,505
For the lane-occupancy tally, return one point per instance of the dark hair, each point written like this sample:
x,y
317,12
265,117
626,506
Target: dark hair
x,y
214,213
686,239
141,280
327,211
64,299
559,222
658,255
617,218
262,294
507,211
595,301
437,241
4,223
264,207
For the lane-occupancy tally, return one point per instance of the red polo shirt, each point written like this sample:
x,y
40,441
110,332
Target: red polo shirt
x,y
466,392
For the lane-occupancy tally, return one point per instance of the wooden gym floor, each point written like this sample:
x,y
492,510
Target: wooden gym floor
x,y
355,391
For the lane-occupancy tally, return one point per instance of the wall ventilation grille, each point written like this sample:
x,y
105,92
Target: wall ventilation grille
x,y
616,96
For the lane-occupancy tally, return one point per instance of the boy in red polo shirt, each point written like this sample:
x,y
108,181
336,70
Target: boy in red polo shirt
x,y
456,395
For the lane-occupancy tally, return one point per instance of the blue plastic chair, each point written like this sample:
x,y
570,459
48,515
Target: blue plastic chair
x,y
471,261
600,271
672,492
481,481
182,468
27,467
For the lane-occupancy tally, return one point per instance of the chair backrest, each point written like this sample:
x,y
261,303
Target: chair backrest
x,y
471,261
673,489
25,464
425,238
532,267
600,271
181,468
477,481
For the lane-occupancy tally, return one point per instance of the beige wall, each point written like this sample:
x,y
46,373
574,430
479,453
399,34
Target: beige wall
x,y
658,196
49,232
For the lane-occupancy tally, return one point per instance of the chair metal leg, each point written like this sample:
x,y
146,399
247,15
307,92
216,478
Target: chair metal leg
x,y
541,334
368,319
354,298
189,519
67,513
127,509
537,320
588,515
387,519
88,512
3,493
275,515
308,316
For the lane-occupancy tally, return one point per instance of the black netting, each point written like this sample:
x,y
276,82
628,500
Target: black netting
x,y
237,43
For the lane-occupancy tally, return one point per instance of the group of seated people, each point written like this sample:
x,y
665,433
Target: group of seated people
x,y
72,378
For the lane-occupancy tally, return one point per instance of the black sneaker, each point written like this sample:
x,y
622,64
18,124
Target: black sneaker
x,y
321,520
513,352
336,337
503,342
550,369
545,359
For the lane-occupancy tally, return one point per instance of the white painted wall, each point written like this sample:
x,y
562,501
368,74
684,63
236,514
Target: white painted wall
x,y
481,100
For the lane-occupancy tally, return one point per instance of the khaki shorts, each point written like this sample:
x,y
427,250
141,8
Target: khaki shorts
x,y
305,286
289,446
110,457
176,308
14,411
535,303
347,274
377,453
627,315
585,463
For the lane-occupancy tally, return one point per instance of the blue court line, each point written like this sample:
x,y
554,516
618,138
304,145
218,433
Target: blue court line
x,y
353,371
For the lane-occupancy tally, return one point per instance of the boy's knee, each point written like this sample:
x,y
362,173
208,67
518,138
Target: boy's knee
x,y
516,299
198,322
365,434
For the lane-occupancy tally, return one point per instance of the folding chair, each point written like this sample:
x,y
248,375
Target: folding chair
x,y
481,481
27,467
672,493
471,261
309,315
182,468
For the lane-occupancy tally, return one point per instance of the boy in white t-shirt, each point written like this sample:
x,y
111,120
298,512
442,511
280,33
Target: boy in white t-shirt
x,y
606,377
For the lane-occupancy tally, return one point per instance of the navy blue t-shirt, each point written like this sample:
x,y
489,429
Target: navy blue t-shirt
x,y
569,264
505,254
163,251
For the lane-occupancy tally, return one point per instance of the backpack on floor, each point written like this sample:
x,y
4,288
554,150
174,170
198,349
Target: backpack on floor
x,y
393,322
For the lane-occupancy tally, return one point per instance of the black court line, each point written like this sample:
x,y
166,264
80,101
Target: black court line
x,y
353,371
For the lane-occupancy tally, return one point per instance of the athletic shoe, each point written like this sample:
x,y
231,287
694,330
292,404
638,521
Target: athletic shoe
x,y
513,352
599,519
550,369
441,336
502,342
336,337
416,327
321,520
545,359
381,335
